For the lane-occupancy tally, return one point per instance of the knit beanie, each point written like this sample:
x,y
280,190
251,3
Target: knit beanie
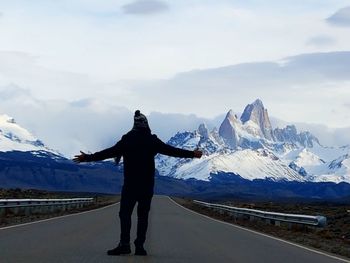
x,y
140,121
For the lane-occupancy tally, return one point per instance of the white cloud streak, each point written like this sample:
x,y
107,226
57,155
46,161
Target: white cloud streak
x,y
96,38
301,88
145,7
321,41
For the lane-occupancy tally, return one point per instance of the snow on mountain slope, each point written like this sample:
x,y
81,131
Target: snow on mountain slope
x,y
329,153
336,171
251,148
249,164
15,138
304,158
317,169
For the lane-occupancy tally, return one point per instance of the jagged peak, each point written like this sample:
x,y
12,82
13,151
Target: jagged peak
x,y
231,118
202,125
257,105
256,113
258,102
231,115
203,130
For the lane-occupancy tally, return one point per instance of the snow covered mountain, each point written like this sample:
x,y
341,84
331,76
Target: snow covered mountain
x,y
242,150
26,162
247,147
15,138
250,148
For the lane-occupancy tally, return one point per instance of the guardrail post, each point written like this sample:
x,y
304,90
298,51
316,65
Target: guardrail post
x,y
15,210
27,210
36,210
2,211
46,209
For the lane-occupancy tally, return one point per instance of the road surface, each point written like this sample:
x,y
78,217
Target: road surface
x,y
175,235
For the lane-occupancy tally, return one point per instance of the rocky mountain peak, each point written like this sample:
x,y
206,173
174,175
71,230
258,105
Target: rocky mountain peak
x,y
253,112
203,131
258,103
227,129
231,116
290,134
256,113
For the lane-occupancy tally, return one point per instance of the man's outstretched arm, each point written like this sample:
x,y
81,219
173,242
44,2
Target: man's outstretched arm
x,y
114,151
167,149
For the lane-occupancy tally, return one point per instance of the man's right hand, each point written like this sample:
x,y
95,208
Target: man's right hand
x,y
197,154
80,158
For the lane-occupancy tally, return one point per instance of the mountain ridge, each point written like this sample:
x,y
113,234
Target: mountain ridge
x,y
246,171
14,137
249,147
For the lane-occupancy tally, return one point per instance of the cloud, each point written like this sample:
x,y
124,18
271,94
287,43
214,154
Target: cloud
x,y
321,41
66,126
305,81
167,124
297,88
327,136
145,7
347,104
25,70
340,18
91,125
88,124
303,88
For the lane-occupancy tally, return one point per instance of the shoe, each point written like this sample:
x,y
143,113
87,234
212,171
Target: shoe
x,y
119,250
140,251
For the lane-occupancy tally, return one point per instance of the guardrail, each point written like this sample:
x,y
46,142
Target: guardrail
x,y
272,217
31,206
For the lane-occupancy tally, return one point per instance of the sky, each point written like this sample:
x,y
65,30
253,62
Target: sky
x,y
73,72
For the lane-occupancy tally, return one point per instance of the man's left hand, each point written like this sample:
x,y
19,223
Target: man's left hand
x,y
80,158
197,154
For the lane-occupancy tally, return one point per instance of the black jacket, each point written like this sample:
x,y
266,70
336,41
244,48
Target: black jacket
x,y
138,148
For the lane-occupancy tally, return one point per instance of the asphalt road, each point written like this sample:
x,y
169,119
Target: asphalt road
x,y
175,235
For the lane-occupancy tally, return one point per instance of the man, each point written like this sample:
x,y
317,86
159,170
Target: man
x,y
138,148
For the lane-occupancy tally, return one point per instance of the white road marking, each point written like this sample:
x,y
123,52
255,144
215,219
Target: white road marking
x,y
57,217
262,234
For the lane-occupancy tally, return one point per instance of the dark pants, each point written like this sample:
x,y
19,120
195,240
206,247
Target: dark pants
x,y
127,204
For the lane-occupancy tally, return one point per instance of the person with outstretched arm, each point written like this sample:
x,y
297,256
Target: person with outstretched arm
x,y
138,148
